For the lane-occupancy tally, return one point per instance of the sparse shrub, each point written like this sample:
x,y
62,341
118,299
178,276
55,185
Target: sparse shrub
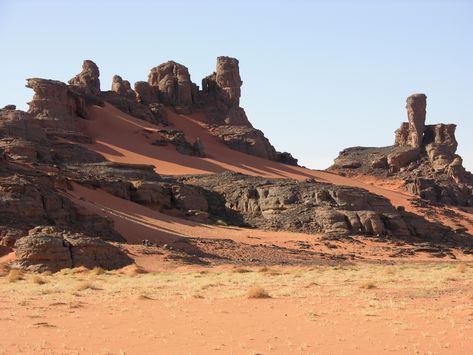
x,y
240,270
264,269
221,222
97,271
257,292
15,275
86,285
133,270
369,285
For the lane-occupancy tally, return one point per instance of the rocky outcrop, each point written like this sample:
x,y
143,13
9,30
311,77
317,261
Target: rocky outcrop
x,y
87,81
173,84
245,139
423,156
29,197
50,249
178,139
309,207
140,184
57,105
220,95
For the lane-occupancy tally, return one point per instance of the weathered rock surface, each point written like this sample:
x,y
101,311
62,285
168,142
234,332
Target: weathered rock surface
x,y
29,197
145,93
50,249
424,156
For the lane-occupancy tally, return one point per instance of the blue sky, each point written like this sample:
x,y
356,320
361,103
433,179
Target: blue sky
x,y
318,76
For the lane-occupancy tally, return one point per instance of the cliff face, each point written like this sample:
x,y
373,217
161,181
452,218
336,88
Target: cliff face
x,y
424,156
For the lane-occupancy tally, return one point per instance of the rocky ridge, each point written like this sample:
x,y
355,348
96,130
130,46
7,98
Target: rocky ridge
x,y
41,159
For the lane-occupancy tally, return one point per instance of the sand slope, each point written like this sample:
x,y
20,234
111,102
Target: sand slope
x,y
122,138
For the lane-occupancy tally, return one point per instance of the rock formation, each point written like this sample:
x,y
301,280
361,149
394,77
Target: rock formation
x,y
173,84
424,156
221,94
120,86
87,80
412,132
56,104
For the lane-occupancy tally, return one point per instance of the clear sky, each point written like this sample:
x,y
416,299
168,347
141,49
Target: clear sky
x,y
318,76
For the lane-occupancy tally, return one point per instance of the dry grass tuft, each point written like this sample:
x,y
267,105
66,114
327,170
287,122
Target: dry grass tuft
x,y
15,275
257,292
38,280
86,285
47,273
369,285
97,271
132,270
461,268
240,270
266,270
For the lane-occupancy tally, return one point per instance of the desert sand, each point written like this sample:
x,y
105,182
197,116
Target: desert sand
x,y
364,309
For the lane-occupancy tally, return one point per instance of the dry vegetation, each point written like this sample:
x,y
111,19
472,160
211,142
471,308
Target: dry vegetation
x,y
239,282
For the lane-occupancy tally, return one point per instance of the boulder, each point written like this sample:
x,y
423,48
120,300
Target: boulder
x,y
50,249
189,198
152,193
